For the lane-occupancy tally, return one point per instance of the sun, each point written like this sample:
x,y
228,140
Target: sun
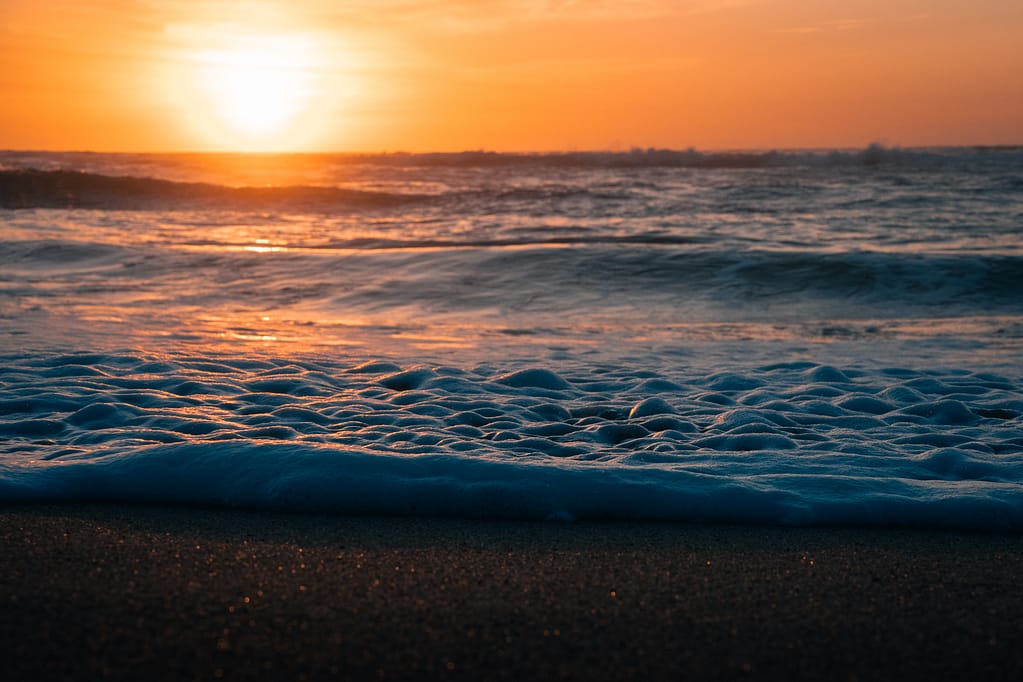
x,y
256,90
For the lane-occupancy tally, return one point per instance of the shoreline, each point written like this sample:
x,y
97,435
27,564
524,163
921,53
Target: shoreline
x,y
144,592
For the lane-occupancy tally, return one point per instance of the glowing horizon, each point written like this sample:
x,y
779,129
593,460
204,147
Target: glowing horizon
x,y
513,75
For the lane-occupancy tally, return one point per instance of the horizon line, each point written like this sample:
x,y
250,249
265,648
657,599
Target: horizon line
x,y
549,152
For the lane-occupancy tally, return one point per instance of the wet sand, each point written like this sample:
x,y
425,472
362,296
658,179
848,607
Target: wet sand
x,y
148,593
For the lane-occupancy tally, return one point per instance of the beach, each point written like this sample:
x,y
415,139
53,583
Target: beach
x,y
147,592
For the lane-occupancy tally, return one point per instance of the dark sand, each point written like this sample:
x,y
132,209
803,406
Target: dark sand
x,y
141,593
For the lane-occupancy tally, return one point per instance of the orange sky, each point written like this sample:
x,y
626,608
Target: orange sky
x,y
445,75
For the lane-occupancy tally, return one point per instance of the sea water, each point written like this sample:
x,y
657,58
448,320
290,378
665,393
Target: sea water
x,y
829,337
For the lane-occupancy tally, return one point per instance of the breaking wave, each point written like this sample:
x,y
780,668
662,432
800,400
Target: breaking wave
x,y
65,189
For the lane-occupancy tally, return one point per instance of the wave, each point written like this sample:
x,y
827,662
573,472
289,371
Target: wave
x,y
296,478
594,273
65,189
790,443
708,284
608,268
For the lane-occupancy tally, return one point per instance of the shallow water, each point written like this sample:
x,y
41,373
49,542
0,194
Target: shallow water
x,y
783,338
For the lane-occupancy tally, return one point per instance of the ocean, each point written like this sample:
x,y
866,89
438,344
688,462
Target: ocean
x,y
784,337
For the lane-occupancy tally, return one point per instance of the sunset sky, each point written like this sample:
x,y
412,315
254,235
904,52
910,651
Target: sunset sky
x,y
447,75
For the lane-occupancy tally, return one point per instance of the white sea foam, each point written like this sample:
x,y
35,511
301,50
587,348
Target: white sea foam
x,y
793,443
